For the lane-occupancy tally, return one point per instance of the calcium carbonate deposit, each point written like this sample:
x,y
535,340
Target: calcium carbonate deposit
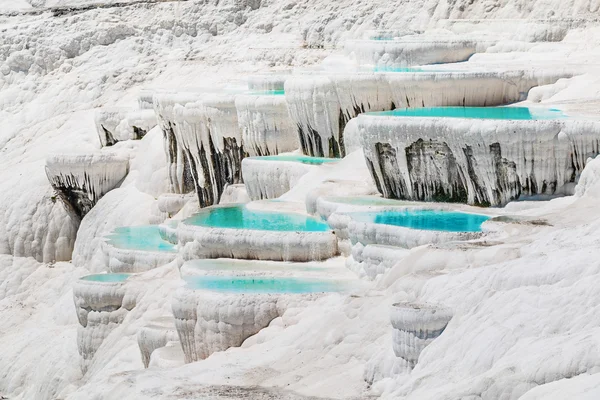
x,y
294,199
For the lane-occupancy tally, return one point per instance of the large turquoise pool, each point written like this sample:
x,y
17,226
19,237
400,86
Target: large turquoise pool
x,y
110,278
144,237
239,217
509,113
248,284
298,158
430,220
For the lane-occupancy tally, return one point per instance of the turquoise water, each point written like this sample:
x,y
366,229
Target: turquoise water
x,y
233,284
228,264
106,277
512,113
144,237
299,158
276,92
239,217
430,220
366,201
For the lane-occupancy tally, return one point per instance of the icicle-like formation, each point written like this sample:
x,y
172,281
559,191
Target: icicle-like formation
x,y
145,99
101,307
415,326
407,52
80,180
266,125
118,124
208,322
156,335
321,106
209,134
269,179
180,176
476,161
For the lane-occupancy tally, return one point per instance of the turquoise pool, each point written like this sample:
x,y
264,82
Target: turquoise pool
x,y
110,278
430,220
233,284
298,158
508,113
239,217
144,237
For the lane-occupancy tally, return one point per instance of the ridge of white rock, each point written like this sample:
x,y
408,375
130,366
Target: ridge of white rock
x,y
372,261
477,161
80,180
122,260
406,52
101,307
208,133
266,125
415,327
156,335
208,322
210,242
322,105
269,179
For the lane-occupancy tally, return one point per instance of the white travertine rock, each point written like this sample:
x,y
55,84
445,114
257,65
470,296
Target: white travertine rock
x,y
135,261
80,180
117,124
209,134
101,307
180,177
155,335
171,203
373,260
210,242
415,327
409,52
321,106
477,161
208,322
145,99
268,81
235,194
169,356
266,125
269,179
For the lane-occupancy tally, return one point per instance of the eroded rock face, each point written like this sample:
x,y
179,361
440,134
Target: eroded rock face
x,y
480,162
209,135
114,125
322,106
81,180
415,327
208,322
266,179
156,335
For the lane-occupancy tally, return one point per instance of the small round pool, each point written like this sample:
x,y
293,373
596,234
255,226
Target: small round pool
x,y
240,217
430,220
107,278
249,284
298,158
145,237
506,113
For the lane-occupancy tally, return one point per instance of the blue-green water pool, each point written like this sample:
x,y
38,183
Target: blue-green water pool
x,y
239,217
431,220
110,278
275,92
298,158
508,113
144,237
248,284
